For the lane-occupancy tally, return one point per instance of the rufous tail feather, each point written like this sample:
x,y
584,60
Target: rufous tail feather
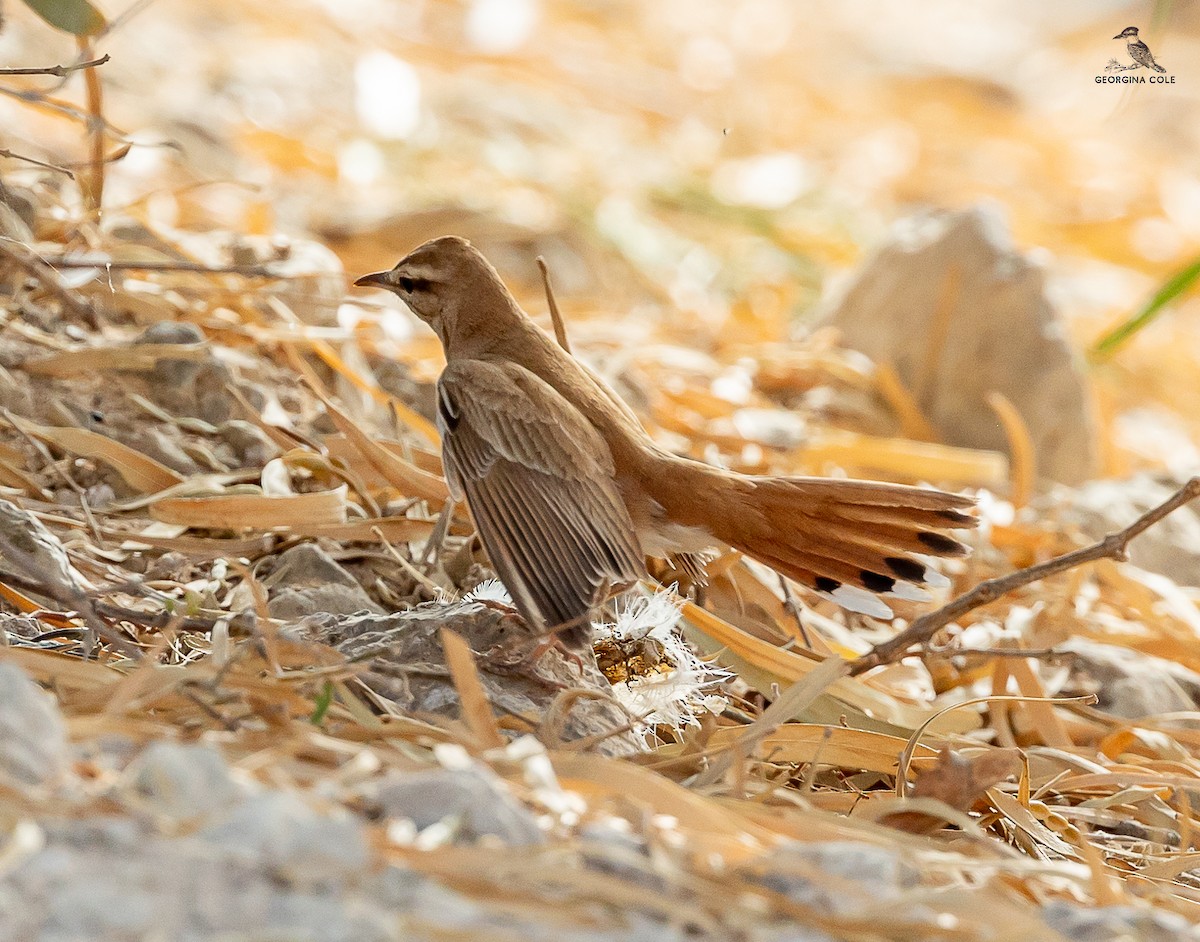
x,y
851,541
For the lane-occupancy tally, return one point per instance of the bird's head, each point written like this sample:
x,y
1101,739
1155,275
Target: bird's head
x,y
1129,32
448,284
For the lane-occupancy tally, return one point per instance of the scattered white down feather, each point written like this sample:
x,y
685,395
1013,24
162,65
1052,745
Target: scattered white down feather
x,y
490,590
678,697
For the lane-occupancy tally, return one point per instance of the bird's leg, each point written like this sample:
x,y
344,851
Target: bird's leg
x,y
433,547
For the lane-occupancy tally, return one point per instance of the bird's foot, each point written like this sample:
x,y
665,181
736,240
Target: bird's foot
x,y
523,661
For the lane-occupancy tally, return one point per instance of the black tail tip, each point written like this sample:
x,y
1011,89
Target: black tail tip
x,y
942,545
907,569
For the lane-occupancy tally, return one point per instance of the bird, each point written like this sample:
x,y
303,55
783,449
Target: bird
x,y
1138,50
569,494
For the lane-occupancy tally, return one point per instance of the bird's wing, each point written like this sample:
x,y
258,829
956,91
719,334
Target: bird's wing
x,y
538,480
1140,53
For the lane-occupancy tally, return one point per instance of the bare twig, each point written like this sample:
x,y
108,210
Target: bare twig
x,y
39,99
248,271
46,274
1113,546
560,330
62,71
4,152
789,603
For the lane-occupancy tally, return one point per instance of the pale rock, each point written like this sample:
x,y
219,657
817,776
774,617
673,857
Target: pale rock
x,y
1001,334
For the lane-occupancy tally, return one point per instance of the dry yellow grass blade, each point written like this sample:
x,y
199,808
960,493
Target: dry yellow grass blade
x,y
476,708
913,423
143,474
197,546
915,461
406,477
787,668
339,447
134,358
62,671
1024,459
21,602
797,743
1026,821
254,511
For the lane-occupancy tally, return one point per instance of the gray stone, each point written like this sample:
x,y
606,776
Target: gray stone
x,y
33,739
475,800
250,444
1117,924
183,783
1170,547
1128,683
307,580
853,876
279,832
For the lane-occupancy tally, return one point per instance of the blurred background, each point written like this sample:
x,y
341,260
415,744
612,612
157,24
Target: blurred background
x,y
701,175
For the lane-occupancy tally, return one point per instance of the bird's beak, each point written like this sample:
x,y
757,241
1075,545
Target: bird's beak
x,y
379,279
1119,36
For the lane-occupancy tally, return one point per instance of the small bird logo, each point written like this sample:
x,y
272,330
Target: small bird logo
x,y
1138,50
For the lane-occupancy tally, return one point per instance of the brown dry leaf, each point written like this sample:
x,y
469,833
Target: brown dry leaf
x,y
143,474
955,780
254,511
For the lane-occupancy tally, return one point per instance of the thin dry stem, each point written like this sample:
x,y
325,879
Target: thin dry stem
x,y
4,152
1113,546
560,330
61,71
45,273
247,271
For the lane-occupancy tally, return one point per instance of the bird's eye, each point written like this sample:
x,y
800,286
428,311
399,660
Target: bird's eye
x,y
406,284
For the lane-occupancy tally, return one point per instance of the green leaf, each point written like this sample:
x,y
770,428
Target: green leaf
x,y
1172,288
323,701
77,17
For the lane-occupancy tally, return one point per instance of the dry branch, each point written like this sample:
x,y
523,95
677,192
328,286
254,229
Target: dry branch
x,y
247,271
61,71
1113,546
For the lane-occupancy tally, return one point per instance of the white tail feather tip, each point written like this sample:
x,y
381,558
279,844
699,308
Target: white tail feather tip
x,y
935,580
854,599
910,592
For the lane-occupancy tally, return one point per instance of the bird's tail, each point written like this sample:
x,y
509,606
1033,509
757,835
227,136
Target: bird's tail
x,y
1157,67
851,541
